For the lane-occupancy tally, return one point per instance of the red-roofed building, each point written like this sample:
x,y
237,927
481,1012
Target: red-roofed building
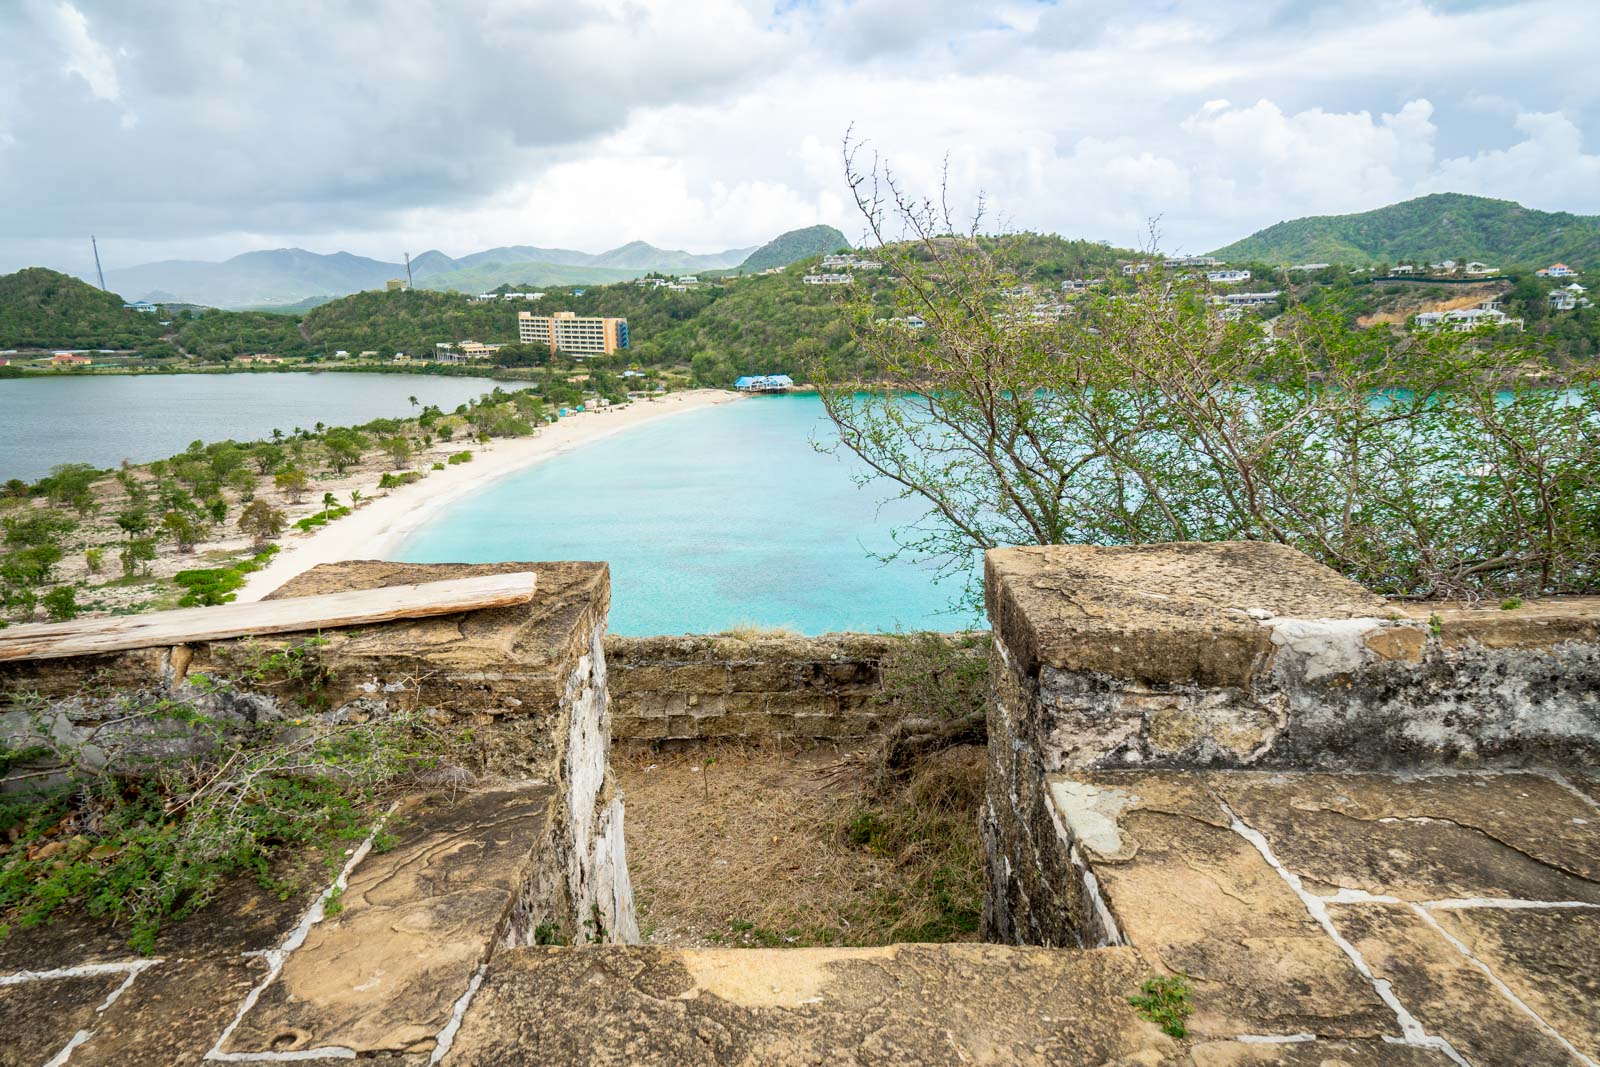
x,y
69,359
1557,270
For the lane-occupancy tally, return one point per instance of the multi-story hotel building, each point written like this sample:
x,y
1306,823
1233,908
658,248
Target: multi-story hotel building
x,y
574,334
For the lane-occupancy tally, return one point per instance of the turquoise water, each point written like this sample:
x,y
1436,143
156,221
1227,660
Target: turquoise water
x,y
106,419
710,519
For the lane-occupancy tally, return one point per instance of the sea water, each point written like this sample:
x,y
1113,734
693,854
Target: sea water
x,y
105,419
716,518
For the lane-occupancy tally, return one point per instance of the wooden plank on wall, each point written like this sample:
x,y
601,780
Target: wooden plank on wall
x,y
90,637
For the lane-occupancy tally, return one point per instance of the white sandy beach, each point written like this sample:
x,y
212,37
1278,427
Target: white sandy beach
x,y
377,527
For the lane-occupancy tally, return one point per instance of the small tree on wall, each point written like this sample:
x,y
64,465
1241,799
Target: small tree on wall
x,y
1419,464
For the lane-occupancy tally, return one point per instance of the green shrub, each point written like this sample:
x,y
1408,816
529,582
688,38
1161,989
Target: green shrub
x,y
395,481
61,603
438,466
322,518
210,586
461,457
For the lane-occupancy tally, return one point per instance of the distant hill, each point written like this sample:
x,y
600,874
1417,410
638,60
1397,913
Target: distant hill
x,y
42,308
792,247
1441,226
277,276
287,276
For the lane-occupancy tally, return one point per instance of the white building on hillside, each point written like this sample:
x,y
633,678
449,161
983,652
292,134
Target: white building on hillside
x,y
827,279
1227,277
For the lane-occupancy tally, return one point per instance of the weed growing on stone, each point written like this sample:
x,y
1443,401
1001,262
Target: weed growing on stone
x,y
1165,1002
138,817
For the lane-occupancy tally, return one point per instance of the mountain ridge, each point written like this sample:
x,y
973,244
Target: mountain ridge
x,y
1459,226
267,277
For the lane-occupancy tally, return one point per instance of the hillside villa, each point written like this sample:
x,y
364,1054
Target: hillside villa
x,y
1463,320
764,383
1557,270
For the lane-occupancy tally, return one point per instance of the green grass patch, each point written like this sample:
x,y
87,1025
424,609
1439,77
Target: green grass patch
x,y
322,518
211,586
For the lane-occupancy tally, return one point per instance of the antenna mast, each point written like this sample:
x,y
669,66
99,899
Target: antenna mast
x,y
98,272
408,272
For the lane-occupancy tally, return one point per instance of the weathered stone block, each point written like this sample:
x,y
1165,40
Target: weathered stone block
x,y
383,974
804,704
910,1004
764,677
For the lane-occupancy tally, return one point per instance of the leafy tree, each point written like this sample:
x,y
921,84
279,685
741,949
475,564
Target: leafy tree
x,y
137,555
398,449
262,522
344,448
293,483
267,457
185,529
134,521
72,484
1142,417
37,526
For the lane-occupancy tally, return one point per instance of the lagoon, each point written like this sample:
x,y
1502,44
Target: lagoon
x,y
718,518
108,418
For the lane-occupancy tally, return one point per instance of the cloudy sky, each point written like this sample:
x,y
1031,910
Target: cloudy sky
x,y
207,129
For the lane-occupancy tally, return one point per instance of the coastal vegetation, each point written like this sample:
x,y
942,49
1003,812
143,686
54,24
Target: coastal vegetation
x,y
1420,464
117,821
226,502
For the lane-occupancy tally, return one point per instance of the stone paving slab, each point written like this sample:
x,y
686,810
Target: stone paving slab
x,y
1198,899
1466,903
1450,996
910,1004
1315,1054
171,1015
38,1019
1524,836
384,974
1548,958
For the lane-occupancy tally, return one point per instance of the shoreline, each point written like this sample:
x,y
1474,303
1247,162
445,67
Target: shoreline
x,y
377,527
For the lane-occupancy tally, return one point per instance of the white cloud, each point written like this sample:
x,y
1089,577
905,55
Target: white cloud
x,y
84,56
1547,169
716,124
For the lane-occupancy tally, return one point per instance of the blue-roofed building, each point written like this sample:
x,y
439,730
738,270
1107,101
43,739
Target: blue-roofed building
x,y
764,383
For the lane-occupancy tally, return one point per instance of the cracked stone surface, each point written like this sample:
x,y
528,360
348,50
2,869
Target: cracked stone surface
x,y
1197,899
1439,837
1549,958
1503,963
384,973
37,1019
917,1004
1314,1054
171,1015
1449,996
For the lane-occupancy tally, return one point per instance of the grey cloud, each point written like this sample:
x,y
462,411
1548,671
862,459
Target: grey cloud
x,y
286,117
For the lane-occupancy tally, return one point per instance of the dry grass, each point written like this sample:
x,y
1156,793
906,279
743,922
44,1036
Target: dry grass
x,y
749,845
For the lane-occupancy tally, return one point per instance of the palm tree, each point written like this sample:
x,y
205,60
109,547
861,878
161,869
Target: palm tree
x,y
413,400
329,501
355,497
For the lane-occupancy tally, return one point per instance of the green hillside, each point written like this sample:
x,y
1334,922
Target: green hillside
x,y
792,247
1430,228
41,308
